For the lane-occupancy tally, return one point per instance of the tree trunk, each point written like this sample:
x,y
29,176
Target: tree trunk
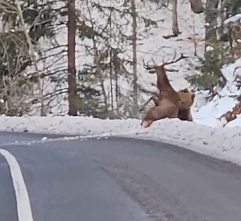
x,y
175,28
72,90
134,54
111,84
116,90
197,6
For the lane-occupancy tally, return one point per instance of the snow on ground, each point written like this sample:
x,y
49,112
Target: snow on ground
x,y
219,142
209,113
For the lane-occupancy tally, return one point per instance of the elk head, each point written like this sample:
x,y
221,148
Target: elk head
x,y
162,80
160,68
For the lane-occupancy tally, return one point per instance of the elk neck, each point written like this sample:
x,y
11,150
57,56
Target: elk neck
x,y
162,80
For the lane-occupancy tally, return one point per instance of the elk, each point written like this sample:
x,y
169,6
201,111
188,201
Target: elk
x,y
186,97
168,103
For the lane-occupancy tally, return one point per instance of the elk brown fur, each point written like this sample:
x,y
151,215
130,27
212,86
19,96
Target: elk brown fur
x,y
170,103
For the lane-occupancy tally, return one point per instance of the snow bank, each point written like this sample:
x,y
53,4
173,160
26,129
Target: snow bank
x,y
219,142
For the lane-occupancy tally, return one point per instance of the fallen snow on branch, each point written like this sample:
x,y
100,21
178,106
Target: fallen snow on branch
x,y
234,18
219,142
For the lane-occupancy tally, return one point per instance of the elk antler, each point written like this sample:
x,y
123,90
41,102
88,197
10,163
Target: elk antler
x,y
174,61
150,68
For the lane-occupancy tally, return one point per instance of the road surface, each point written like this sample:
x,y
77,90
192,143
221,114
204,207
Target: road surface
x,y
118,179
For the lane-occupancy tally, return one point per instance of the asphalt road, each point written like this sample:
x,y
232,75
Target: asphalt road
x,y
8,209
119,179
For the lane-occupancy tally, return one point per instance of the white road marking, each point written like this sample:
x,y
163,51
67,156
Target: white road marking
x,y
22,197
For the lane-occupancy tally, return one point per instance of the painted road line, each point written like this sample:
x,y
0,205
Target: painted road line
x,y
22,197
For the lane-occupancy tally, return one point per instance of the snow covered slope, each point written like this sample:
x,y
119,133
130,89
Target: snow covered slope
x,y
209,113
226,99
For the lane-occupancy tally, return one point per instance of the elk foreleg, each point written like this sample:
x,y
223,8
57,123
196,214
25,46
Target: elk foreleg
x,y
152,98
159,112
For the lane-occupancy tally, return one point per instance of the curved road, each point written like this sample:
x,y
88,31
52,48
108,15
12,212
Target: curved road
x,y
118,179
